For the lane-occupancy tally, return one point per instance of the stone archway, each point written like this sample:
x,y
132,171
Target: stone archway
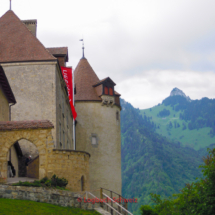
x,y
37,132
18,156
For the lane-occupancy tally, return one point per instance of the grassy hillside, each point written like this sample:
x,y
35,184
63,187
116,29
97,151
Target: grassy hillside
x,y
195,138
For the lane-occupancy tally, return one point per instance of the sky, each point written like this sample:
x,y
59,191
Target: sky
x,y
147,47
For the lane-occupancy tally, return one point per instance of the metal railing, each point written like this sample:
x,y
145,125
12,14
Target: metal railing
x,y
112,208
113,201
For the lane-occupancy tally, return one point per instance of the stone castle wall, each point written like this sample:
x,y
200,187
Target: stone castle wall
x,y
37,87
70,164
64,119
98,132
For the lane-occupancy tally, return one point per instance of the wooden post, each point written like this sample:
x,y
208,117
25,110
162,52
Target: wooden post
x,y
101,197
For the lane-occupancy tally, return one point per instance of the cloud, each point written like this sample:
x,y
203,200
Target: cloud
x,y
152,87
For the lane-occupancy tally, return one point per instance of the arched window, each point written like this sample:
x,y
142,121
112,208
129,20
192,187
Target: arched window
x,y
111,91
106,90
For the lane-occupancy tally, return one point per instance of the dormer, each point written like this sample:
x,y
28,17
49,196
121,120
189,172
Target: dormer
x,y
105,89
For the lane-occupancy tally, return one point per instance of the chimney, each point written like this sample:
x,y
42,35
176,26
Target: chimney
x,y
31,25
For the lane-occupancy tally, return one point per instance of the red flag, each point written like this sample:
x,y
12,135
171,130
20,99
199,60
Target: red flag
x,y
67,75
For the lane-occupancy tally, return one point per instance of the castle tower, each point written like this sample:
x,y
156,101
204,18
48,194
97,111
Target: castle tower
x,y
98,127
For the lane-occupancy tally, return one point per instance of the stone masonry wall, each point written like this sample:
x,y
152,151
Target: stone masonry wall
x,y
38,88
39,194
64,119
71,165
41,138
34,89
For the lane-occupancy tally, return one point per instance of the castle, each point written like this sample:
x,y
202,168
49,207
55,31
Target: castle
x,y
36,118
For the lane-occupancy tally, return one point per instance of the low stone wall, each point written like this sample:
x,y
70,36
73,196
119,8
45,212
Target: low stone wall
x,y
40,194
72,165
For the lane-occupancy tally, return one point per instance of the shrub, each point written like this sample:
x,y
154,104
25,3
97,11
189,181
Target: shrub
x,y
43,180
48,183
60,182
54,182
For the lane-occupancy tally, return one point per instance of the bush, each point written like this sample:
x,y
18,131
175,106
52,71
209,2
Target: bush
x,y
60,182
48,183
43,180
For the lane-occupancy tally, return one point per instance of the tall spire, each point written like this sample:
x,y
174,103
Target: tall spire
x,y
10,4
83,57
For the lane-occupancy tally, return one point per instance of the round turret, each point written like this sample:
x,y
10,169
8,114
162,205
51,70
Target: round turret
x,y
98,127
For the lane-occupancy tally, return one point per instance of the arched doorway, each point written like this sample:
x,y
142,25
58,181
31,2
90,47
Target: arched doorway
x,y
22,161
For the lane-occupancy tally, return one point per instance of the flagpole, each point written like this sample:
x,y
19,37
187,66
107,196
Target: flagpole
x,y
73,98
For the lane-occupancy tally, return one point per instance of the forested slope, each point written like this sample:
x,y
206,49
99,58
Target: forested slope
x,y
151,163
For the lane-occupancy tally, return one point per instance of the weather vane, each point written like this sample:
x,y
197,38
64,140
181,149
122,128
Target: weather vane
x,y
82,46
10,4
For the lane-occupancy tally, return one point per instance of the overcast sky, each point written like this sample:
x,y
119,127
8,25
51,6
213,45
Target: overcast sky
x,y
147,47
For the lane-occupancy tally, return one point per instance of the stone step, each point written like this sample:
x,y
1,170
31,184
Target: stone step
x,y
102,211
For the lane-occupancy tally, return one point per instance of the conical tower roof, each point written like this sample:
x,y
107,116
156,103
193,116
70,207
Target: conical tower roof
x,y
17,43
85,78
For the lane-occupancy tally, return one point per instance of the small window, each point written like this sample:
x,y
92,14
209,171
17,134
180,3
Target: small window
x,y
94,140
111,91
106,90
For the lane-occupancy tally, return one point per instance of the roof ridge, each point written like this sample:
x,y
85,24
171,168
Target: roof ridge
x,y
31,47
33,35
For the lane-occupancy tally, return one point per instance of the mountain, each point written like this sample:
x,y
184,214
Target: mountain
x,y
188,122
150,161
178,92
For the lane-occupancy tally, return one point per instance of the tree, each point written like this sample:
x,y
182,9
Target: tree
x,y
195,199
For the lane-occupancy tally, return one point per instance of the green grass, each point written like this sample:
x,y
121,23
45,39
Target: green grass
x,y
14,207
196,139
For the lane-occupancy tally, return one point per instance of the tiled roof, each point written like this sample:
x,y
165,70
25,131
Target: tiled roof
x,y
117,93
18,44
85,78
19,125
4,84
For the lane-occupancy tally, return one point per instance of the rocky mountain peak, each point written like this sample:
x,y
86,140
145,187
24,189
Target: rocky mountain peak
x,y
178,92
